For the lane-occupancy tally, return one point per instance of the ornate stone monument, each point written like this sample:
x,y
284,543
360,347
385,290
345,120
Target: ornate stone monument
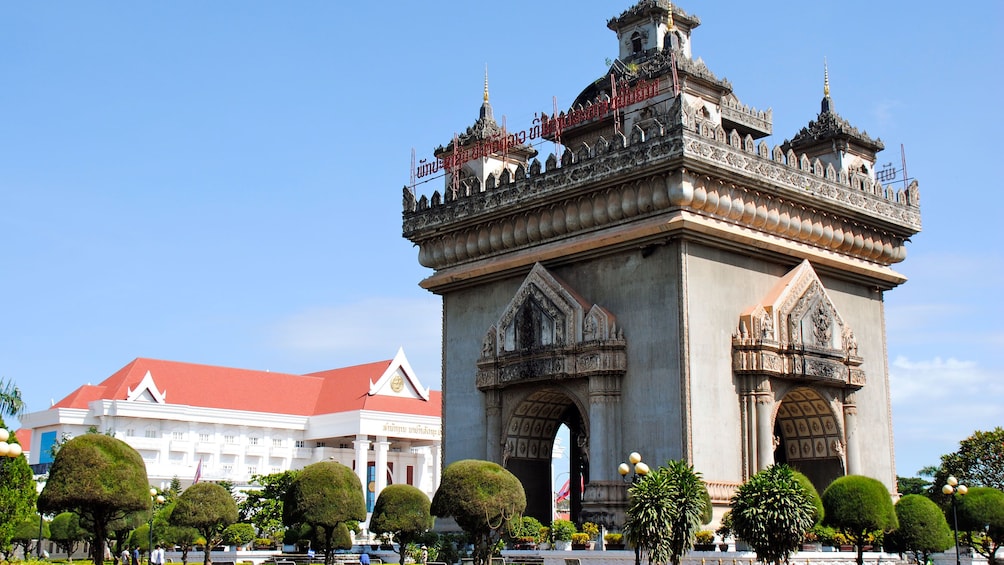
x,y
669,284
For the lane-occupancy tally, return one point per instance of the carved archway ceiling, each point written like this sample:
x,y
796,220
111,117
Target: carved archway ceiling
x,y
808,427
531,429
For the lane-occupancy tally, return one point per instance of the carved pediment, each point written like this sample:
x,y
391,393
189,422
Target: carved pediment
x,y
548,331
797,332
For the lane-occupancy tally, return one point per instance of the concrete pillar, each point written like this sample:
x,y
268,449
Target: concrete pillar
x,y
764,430
851,430
362,445
437,464
603,448
382,445
493,426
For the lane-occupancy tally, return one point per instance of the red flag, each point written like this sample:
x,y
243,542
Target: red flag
x,y
198,472
563,492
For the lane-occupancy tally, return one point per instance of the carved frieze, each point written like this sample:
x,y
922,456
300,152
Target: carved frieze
x,y
778,195
814,343
547,333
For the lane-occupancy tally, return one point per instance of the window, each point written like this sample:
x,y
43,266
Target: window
x,y
178,435
275,469
252,441
301,443
203,437
636,42
151,433
344,446
319,444
229,438
276,442
227,469
130,432
252,469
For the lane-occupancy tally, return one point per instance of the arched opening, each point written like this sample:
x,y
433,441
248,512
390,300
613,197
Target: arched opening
x,y
530,435
808,437
636,46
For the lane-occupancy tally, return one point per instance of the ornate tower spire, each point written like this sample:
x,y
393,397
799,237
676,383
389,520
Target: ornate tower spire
x,y
486,108
825,78
826,106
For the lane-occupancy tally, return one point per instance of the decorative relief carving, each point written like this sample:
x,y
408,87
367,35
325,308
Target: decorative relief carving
x,y
822,322
566,339
533,195
806,348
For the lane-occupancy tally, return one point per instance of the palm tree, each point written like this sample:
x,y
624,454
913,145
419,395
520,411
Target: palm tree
x,y
665,509
11,403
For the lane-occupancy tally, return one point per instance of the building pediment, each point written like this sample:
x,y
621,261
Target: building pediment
x,y
548,331
399,380
797,332
146,391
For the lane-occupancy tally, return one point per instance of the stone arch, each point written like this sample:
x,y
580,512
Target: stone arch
x,y
794,348
531,425
809,435
552,352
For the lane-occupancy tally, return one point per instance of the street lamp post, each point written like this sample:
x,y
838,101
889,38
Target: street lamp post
x,y
637,469
155,499
952,487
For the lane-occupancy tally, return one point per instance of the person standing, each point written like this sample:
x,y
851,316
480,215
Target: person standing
x,y
425,555
124,556
135,555
157,556
364,559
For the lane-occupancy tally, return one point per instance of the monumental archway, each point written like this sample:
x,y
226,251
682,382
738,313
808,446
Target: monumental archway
x,y
530,431
797,366
552,359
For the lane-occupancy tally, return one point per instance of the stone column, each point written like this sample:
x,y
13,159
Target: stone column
x,y
382,445
851,452
603,501
764,430
362,445
437,464
603,448
493,426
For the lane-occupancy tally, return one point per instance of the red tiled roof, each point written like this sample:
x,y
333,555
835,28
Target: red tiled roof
x,y
207,386
24,438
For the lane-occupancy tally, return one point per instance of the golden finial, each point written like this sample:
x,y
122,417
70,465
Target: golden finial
x,y
486,82
825,77
671,24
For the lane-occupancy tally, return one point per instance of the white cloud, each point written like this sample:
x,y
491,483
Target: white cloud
x,y
937,403
368,330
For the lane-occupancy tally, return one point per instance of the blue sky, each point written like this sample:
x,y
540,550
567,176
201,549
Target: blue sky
x,y
220,182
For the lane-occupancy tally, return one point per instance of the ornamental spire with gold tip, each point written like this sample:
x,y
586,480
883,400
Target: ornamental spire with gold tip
x,y
486,108
827,105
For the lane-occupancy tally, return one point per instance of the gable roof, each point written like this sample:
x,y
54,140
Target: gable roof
x,y
208,386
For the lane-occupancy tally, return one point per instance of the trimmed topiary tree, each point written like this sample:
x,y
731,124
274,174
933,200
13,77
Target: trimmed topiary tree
x,y
209,508
402,511
484,499
922,529
810,489
100,478
239,534
324,495
981,517
66,532
858,506
772,512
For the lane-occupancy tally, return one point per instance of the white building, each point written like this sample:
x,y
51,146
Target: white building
x,y
219,423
